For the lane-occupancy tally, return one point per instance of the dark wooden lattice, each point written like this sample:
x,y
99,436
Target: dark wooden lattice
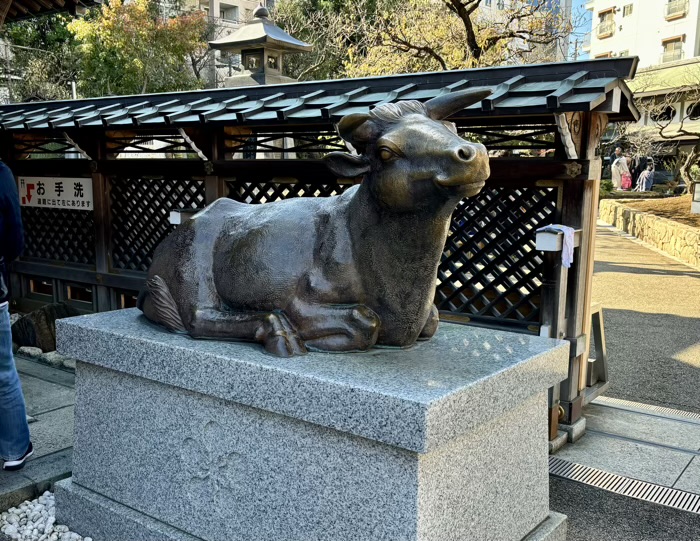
x,y
59,235
490,268
266,192
303,144
140,216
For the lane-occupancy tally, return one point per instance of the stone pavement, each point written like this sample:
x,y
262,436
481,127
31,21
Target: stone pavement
x,y
651,310
652,314
50,397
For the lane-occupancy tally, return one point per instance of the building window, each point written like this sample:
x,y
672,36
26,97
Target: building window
x,y
606,24
673,49
500,4
229,13
663,114
693,111
675,9
627,10
487,3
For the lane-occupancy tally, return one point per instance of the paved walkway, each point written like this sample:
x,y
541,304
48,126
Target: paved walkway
x,y
651,309
49,396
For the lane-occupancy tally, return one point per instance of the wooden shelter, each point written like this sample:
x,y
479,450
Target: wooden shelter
x,y
16,10
144,156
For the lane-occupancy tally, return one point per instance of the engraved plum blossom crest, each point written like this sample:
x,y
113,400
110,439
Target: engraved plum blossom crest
x,y
208,468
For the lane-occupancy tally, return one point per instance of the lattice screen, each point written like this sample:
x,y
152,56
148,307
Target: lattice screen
x,y
266,192
490,267
59,235
140,216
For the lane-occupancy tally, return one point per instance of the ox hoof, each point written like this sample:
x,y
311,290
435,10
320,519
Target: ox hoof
x,y
366,321
285,344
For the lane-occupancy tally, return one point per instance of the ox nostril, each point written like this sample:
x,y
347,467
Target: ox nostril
x,y
465,154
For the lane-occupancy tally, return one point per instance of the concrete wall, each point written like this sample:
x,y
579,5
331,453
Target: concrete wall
x,y
679,240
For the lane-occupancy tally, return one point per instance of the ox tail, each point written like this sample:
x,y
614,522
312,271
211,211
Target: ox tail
x,y
164,305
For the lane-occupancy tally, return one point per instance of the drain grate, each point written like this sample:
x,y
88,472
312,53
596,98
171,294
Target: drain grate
x,y
625,486
608,401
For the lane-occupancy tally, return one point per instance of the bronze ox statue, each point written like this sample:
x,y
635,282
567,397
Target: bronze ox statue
x,y
341,273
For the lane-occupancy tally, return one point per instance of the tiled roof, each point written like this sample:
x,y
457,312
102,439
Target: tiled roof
x,y
526,93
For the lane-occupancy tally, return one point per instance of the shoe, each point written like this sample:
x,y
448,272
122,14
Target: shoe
x,y
14,465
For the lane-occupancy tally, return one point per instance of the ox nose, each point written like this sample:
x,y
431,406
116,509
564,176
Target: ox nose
x,y
465,153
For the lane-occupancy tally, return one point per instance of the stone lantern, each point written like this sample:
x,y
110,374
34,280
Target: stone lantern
x,y
262,46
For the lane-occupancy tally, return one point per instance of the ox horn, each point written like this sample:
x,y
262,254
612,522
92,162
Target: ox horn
x,y
352,128
448,104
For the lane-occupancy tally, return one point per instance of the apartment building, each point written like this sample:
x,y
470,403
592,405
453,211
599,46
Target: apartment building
x,y
657,31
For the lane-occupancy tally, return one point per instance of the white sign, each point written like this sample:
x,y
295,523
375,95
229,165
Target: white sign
x,y
56,192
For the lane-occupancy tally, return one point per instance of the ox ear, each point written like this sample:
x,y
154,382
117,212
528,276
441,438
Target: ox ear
x,y
448,104
355,129
346,165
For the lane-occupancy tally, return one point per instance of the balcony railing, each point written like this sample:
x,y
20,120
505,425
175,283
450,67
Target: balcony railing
x,y
676,9
606,29
672,56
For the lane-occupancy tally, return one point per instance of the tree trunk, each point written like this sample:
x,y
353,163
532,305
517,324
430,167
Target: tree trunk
x,y
684,171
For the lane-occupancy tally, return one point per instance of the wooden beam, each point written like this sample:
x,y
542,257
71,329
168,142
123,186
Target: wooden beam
x,y
17,4
32,5
47,4
4,9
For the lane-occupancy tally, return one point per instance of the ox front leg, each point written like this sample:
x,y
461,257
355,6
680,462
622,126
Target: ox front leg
x,y
430,327
326,327
272,329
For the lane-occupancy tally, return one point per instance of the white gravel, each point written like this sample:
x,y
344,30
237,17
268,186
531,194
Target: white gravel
x,y
36,521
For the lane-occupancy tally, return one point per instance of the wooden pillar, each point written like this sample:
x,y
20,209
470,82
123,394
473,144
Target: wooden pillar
x,y
214,186
96,148
579,210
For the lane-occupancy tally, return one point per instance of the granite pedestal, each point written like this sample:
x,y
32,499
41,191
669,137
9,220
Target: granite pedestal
x,y
177,439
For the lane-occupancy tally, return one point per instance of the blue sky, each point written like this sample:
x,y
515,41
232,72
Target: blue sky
x,y
584,25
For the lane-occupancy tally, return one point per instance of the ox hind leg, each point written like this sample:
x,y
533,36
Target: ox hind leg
x,y
271,329
325,327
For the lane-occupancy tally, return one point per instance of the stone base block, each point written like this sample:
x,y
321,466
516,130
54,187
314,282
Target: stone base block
x,y
558,442
575,431
106,520
552,529
446,441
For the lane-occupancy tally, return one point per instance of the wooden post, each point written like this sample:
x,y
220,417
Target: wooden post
x,y
580,211
214,186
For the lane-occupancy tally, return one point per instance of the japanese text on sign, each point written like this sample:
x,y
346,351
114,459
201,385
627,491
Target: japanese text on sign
x,y
55,192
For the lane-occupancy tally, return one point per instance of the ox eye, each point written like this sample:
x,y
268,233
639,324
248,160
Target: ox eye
x,y
386,154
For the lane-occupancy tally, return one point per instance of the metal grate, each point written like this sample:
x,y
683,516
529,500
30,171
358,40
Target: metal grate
x,y
625,486
628,404
59,235
140,210
490,267
266,192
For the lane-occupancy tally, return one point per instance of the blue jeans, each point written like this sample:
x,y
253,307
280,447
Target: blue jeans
x,y
14,431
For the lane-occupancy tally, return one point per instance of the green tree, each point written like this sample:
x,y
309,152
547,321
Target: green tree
x,y
426,35
127,48
41,58
334,28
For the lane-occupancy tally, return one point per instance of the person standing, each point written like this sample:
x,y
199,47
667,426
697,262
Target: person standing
x,y
15,445
646,179
618,169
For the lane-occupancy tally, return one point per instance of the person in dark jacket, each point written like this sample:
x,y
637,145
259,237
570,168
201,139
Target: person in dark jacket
x,y
15,446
